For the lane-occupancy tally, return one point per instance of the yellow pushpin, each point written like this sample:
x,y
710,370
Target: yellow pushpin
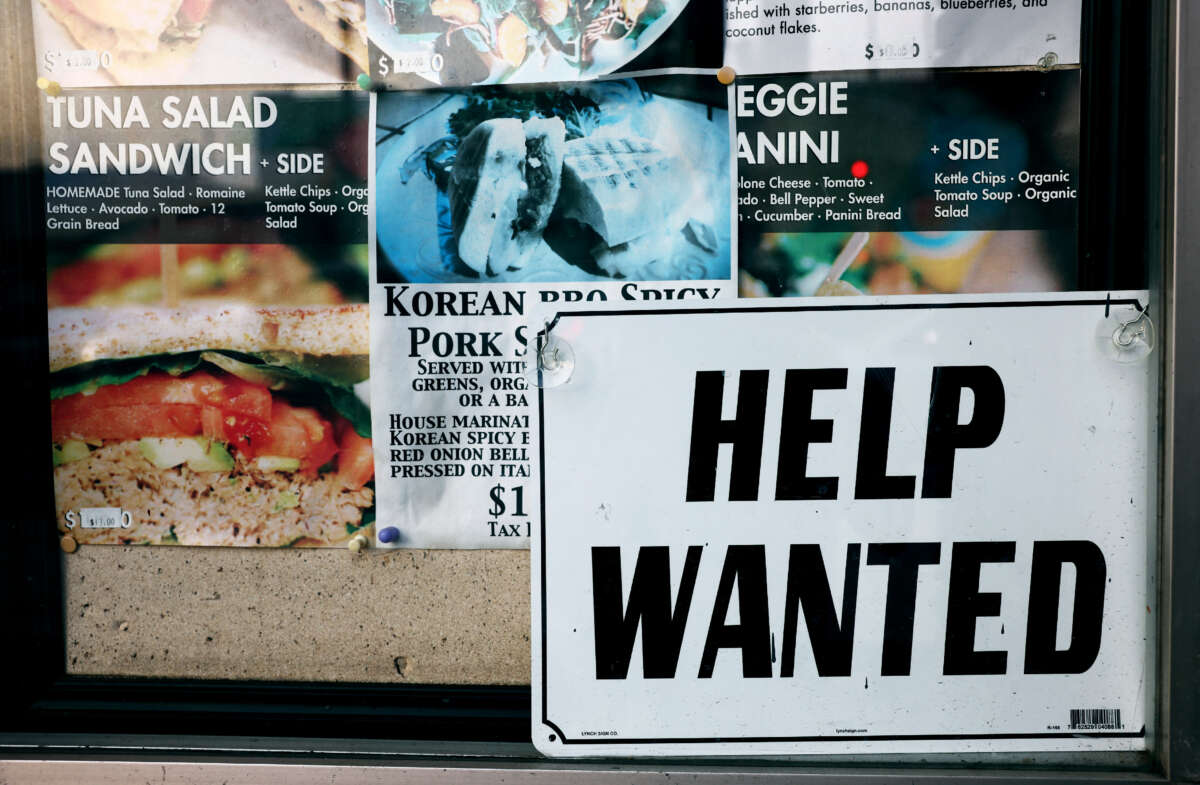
x,y
49,86
68,544
726,75
357,543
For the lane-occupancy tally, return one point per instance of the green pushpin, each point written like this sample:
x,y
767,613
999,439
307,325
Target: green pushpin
x,y
364,81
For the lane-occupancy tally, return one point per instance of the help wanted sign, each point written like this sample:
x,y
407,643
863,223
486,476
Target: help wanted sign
x,y
845,526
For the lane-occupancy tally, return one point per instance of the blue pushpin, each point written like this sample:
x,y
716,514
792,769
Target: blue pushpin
x,y
389,534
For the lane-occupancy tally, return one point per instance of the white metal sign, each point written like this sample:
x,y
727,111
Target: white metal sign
x,y
845,526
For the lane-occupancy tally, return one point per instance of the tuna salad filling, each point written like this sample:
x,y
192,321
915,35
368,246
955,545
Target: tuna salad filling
x,y
213,448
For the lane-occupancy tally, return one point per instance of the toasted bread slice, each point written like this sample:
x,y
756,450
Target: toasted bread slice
x,y
80,335
544,147
621,187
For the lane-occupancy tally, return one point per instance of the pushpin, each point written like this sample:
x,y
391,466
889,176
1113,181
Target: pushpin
x,y
726,75
363,81
49,86
357,543
68,544
389,534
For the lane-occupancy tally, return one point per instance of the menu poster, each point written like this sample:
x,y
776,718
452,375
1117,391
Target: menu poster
x,y
100,43
208,363
948,181
487,202
418,44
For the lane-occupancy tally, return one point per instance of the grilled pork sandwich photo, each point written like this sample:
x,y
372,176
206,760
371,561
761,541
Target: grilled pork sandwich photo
x,y
510,178
606,180
226,426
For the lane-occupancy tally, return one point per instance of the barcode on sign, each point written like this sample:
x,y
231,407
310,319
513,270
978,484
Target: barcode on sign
x,y
1095,719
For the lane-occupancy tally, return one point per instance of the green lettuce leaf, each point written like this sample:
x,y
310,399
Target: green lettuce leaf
x,y
328,379
94,375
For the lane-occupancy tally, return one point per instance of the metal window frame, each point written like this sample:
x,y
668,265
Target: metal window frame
x,y
1151,214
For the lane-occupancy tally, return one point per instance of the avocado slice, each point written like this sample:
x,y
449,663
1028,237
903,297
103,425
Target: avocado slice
x,y
276,463
201,455
69,452
286,500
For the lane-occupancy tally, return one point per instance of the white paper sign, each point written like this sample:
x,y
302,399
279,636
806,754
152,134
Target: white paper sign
x,y
850,525
775,36
450,381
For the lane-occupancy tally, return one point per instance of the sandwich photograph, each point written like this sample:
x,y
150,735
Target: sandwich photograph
x,y
607,180
231,425
93,43
115,274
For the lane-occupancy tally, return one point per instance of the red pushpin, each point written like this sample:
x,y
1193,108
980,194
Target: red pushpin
x,y
859,169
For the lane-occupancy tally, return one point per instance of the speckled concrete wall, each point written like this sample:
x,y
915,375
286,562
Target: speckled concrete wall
x,y
445,617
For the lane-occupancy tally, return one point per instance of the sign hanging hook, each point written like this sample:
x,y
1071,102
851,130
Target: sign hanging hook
x,y
1129,331
555,359
1126,336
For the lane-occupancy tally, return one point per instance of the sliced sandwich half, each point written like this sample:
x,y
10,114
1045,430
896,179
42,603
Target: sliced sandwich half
x,y
149,41
503,187
628,192
227,426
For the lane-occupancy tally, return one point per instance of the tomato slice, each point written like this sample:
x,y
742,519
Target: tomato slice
x,y
297,432
114,266
219,406
199,389
233,428
159,404
74,283
356,458
75,418
195,10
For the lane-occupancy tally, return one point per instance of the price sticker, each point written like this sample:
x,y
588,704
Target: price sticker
x,y
104,518
75,60
411,63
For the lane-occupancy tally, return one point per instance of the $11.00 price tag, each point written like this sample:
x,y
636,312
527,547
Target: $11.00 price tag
x,y
102,518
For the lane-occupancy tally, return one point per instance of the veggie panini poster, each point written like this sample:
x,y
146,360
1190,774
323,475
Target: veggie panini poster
x,y
937,182
92,43
486,202
429,43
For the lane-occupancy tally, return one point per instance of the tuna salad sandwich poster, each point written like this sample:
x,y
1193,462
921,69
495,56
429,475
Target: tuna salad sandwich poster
x,y
207,283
